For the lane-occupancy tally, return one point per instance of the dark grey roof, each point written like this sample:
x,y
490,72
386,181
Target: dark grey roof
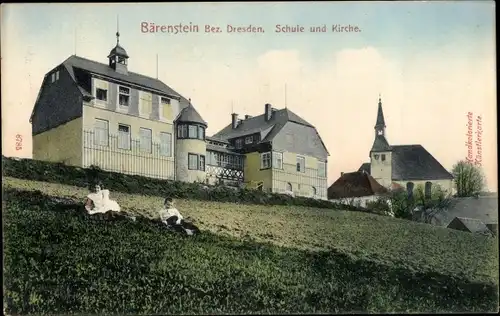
x,y
258,123
104,70
366,167
355,184
414,162
468,224
380,115
190,115
119,51
267,129
483,208
380,144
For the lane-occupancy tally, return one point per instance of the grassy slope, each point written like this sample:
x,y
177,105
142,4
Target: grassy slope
x,y
413,245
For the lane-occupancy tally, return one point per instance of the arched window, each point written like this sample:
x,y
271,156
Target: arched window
x,y
409,189
428,190
314,191
289,187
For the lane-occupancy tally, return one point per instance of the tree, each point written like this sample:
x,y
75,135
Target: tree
x,y
469,178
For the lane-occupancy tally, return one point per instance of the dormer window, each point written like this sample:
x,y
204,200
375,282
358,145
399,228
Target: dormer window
x,y
124,96
238,143
55,76
248,140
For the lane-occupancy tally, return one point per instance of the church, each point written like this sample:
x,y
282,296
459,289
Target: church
x,y
404,166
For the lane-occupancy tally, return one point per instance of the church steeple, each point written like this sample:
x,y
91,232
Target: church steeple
x,y
118,58
380,124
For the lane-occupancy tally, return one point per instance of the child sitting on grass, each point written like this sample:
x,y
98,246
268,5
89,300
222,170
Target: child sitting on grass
x,y
171,217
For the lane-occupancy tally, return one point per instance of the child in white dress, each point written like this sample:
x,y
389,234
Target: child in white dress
x,y
99,202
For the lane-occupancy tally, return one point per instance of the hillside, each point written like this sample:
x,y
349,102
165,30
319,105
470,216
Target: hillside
x,y
408,244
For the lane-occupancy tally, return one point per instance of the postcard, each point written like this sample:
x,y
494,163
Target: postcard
x,y
249,157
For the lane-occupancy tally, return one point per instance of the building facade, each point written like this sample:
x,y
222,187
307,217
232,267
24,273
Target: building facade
x,y
89,113
408,166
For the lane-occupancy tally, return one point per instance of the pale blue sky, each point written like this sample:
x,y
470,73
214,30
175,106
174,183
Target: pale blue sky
x,y
395,28
432,61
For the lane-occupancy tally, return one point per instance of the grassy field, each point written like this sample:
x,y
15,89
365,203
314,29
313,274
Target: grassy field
x,y
413,246
58,260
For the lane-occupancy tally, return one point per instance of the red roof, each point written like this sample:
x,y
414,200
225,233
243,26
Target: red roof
x,y
355,184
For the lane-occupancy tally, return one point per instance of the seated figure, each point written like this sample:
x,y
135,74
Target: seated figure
x,y
99,202
171,217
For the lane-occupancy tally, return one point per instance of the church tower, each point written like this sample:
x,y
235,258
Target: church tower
x,y
380,154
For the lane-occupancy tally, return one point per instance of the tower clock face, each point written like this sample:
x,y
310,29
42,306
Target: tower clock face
x,y
380,132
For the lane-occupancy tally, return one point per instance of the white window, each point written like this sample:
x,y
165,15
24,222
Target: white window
x,y
201,132
101,94
192,162
248,140
289,187
123,136
321,169
53,77
123,96
165,108
201,163
57,75
145,139
193,131
181,131
101,132
265,160
165,144
277,160
239,143
301,161
145,103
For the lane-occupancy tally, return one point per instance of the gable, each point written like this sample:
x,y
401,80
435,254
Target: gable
x,y
300,139
57,102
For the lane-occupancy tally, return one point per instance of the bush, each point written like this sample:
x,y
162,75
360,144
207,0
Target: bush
x,y
81,177
56,261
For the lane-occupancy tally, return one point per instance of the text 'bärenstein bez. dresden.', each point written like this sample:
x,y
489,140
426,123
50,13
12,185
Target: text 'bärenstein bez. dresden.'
x,y
150,27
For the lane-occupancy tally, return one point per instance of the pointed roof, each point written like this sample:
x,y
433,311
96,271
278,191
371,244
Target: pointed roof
x,y
190,115
355,184
118,50
380,144
380,115
468,224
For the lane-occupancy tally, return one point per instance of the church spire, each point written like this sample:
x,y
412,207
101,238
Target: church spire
x,y
380,124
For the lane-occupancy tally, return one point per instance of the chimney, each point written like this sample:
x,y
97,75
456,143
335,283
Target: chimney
x,y
268,111
341,174
234,120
